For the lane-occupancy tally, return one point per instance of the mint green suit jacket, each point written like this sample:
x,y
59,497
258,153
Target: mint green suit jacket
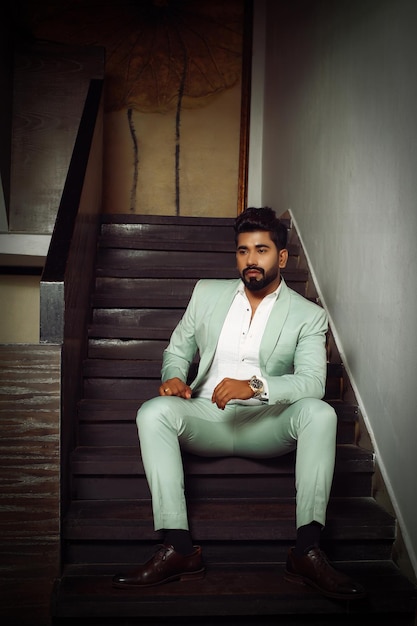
x,y
292,353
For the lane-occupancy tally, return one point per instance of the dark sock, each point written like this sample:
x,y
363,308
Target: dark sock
x,y
180,540
308,536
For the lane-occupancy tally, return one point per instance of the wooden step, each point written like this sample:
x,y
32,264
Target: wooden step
x,y
163,236
134,486
117,472
122,431
146,386
149,257
127,359
117,354
230,530
256,595
138,323
201,234
231,519
113,422
140,379
163,263
102,377
125,461
120,409
161,292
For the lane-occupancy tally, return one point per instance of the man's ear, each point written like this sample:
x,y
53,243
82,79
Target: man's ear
x,y
282,258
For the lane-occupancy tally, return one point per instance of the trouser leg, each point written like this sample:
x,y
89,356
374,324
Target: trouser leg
x,y
316,449
199,426
309,426
165,424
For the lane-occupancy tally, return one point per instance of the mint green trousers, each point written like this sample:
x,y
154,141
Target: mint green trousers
x,y
167,425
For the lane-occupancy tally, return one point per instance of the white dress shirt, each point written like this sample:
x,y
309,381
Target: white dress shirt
x,y
237,352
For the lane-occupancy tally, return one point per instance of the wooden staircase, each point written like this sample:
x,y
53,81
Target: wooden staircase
x,y
241,511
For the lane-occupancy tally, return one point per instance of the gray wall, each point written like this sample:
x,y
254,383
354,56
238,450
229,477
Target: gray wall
x,y
339,150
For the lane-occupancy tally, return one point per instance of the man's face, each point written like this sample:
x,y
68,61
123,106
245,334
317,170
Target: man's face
x,y
259,262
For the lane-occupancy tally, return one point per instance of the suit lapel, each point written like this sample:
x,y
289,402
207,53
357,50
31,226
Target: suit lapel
x,y
221,309
275,324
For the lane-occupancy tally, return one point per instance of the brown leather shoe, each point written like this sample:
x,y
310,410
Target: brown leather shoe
x,y
315,570
165,566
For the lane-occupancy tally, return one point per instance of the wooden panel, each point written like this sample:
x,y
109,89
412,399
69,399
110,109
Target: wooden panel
x,y
29,479
51,84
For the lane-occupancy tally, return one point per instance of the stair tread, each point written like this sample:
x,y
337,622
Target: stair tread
x,y
123,368
119,410
157,220
352,511
134,270
141,293
230,591
125,460
236,520
125,240
131,364
131,263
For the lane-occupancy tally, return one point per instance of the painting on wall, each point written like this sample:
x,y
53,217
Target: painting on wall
x,y
175,97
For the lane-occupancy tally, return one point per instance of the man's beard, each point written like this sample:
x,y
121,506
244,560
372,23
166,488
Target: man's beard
x,y
260,282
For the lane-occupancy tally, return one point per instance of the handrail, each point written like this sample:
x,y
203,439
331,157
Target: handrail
x,y
52,287
68,275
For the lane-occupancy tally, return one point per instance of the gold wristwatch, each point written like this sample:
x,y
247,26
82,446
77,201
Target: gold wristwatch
x,y
257,387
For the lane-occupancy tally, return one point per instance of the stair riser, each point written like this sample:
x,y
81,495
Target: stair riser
x,y
149,293
161,318
155,264
124,434
218,552
146,388
122,348
166,235
135,487
161,263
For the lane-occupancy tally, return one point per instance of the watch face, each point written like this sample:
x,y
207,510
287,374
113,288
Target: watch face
x,y
256,383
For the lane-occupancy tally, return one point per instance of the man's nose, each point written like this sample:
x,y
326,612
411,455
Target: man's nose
x,y
251,259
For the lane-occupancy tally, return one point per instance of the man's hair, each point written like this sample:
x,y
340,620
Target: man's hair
x,y
264,218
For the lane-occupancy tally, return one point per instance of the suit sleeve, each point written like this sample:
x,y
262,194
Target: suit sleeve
x,y
182,347
309,370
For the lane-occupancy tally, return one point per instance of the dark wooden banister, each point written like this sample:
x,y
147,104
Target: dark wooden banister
x,y
56,271
67,278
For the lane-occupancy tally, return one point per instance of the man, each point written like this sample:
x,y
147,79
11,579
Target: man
x,y
257,393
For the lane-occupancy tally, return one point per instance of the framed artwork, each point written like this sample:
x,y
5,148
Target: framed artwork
x,y
176,98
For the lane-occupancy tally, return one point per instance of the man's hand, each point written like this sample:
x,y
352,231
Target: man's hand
x,y
175,387
231,389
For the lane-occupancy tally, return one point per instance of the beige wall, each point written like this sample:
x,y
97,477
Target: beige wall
x,y
19,312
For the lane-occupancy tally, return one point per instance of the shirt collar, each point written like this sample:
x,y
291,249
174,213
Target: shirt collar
x,y
273,296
